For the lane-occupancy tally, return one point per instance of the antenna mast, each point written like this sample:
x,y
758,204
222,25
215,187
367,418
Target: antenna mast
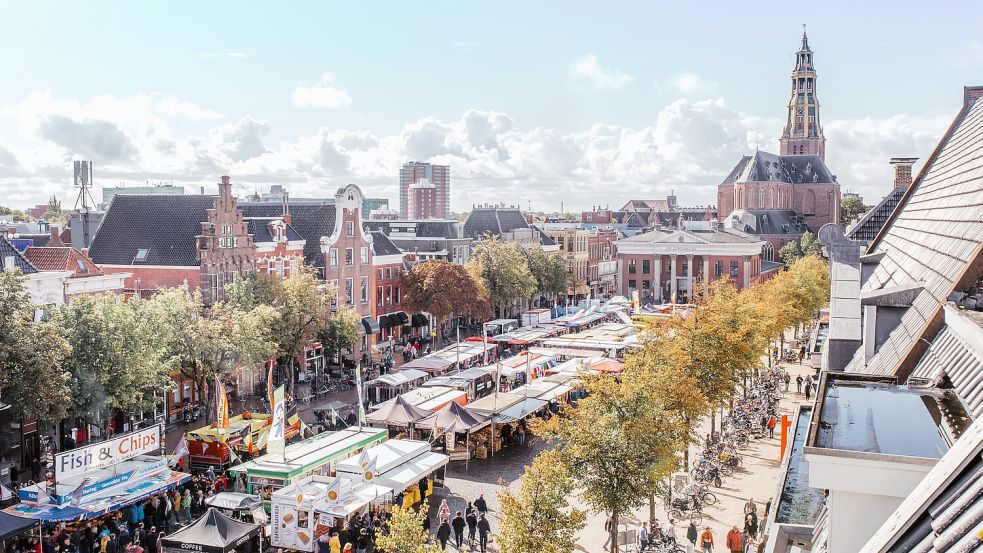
x,y
83,181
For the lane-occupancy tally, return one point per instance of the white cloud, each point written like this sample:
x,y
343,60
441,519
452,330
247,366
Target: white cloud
x,y
689,85
322,94
601,78
231,55
689,147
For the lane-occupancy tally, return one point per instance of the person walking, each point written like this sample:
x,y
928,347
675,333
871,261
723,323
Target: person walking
x,y
443,534
608,522
186,505
706,540
771,426
458,524
692,534
483,530
750,506
481,504
444,512
798,384
472,520
643,537
362,543
734,542
750,525
808,390
334,544
788,379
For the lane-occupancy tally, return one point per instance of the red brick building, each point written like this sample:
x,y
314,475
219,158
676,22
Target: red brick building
x,y
601,250
421,198
437,175
669,265
225,247
794,188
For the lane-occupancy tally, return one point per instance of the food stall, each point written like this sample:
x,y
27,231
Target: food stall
x,y
399,414
390,385
507,410
317,505
214,532
607,338
436,396
401,465
246,433
99,478
316,455
516,371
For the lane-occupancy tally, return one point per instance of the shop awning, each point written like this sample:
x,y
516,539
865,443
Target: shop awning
x,y
455,418
385,321
233,501
398,378
420,320
519,410
398,413
371,327
353,501
214,532
11,525
429,364
565,352
399,318
411,472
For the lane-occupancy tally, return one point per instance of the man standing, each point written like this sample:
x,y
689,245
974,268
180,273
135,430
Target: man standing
x,y
483,530
607,532
771,426
734,541
706,541
750,507
458,525
692,534
643,537
798,384
787,379
808,390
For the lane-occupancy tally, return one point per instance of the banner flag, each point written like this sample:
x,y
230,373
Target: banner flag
x,y
221,405
277,440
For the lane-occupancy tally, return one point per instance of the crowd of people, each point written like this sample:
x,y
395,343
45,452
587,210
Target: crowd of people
x,y
474,519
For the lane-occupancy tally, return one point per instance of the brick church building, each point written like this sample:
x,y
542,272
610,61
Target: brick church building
x,y
778,197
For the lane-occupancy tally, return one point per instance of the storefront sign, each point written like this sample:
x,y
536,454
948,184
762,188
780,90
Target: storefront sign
x,y
108,453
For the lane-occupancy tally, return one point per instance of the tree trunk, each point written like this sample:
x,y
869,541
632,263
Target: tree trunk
x,y
614,532
652,511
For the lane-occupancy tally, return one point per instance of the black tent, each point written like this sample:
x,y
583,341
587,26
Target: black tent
x,y
214,532
12,525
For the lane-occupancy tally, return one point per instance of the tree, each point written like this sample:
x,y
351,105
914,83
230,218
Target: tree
x,y
790,252
611,440
505,271
204,345
116,359
810,245
851,207
32,381
549,270
539,519
406,533
444,289
341,332
301,311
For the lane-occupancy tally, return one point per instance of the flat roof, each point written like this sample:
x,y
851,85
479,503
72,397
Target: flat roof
x,y
797,502
322,448
866,414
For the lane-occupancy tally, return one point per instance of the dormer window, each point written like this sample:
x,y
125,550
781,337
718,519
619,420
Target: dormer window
x,y
141,255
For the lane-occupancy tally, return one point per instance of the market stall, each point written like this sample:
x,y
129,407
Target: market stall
x,y
11,525
432,395
508,412
429,364
476,382
316,455
455,424
390,385
317,505
608,338
214,532
402,465
246,433
399,414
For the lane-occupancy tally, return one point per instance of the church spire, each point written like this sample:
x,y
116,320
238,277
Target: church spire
x,y
803,132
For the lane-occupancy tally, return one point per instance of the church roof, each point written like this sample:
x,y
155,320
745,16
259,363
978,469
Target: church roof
x,y
767,221
789,169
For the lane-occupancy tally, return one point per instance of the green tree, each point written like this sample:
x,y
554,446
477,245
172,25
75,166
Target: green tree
x,y
204,345
444,289
851,207
405,532
611,440
32,380
341,333
504,269
116,360
539,518
810,245
302,310
790,252
549,270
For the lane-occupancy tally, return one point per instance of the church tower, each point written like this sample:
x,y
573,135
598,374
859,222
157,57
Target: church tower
x,y
803,133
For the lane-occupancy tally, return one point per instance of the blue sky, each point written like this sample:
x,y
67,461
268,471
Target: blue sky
x,y
539,101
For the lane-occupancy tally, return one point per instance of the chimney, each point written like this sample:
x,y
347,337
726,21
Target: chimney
x,y
55,240
286,208
902,171
971,94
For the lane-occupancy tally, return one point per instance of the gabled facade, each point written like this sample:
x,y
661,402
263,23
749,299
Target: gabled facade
x,y
225,247
348,252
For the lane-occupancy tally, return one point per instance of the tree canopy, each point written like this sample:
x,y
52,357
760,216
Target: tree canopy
x,y
851,207
405,532
504,269
442,289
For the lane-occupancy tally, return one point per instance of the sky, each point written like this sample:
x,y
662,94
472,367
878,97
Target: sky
x,y
537,104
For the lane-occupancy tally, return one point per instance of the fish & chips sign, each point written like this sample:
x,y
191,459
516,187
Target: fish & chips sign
x,y
108,453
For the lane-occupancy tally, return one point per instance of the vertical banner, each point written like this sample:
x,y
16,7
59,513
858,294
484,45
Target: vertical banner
x,y
358,387
276,443
269,382
221,405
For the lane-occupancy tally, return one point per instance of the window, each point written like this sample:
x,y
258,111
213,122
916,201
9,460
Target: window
x,y
349,290
395,294
334,257
364,291
279,266
351,228
733,268
631,284
389,272
365,255
381,274
686,267
631,267
389,295
718,268
213,283
349,257
378,295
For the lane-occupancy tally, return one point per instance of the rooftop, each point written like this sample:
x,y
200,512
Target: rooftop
x,y
874,415
798,503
